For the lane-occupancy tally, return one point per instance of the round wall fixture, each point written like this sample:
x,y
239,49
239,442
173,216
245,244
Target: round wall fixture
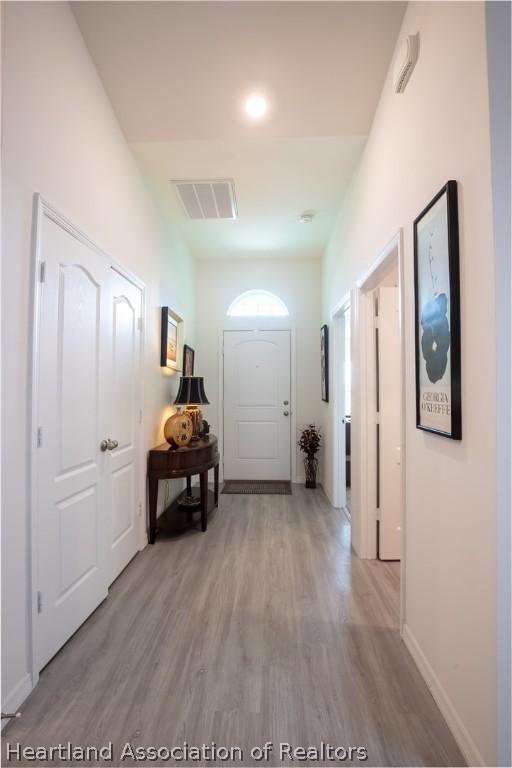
x,y
307,217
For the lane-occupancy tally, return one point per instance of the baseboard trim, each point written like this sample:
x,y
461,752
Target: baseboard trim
x,y
17,696
459,731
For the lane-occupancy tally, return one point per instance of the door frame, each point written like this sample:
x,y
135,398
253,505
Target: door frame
x,y
339,453
259,324
363,475
42,208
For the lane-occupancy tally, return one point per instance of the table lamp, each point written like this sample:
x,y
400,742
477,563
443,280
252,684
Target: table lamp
x,y
191,394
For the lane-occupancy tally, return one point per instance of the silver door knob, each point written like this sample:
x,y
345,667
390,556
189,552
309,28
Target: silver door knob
x,y
286,413
108,445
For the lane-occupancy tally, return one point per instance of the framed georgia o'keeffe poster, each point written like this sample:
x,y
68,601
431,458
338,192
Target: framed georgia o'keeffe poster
x,y
437,315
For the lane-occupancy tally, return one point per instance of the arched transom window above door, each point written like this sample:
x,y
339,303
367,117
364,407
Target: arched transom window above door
x,y
258,303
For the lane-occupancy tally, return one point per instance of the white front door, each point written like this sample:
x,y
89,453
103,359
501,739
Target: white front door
x,y
72,420
126,305
257,405
390,492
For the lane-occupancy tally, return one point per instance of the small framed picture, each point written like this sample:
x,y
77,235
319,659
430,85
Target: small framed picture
x,y
437,315
171,341
324,362
188,360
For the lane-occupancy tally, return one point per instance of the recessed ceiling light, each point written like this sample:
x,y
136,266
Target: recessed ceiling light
x,y
307,217
256,106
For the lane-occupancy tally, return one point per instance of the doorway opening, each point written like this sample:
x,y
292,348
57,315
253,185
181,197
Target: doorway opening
x,y
369,426
378,454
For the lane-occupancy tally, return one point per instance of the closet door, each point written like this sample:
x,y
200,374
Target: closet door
x,y
71,510
123,460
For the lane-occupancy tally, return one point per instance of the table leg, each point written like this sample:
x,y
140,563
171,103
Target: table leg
x,y
189,485
203,480
216,484
153,499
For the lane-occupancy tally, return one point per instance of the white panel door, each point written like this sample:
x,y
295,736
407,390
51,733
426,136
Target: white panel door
x,y
72,417
257,405
390,492
126,305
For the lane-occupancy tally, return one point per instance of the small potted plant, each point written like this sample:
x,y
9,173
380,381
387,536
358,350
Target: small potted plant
x,y
309,443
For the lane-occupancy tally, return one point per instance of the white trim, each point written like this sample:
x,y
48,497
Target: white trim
x,y
338,321
44,208
16,697
459,731
259,324
341,306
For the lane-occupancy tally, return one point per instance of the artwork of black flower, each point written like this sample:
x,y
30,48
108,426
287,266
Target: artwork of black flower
x,y
437,310
435,339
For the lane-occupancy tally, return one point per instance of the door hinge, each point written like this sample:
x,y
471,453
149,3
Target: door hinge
x,y
140,417
39,437
140,509
39,602
139,324
377,513
42,271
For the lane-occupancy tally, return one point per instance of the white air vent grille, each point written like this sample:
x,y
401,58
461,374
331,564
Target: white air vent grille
x,y
207,199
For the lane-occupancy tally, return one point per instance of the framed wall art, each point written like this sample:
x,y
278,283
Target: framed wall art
x,y
171,339
324,362
188,360
437,315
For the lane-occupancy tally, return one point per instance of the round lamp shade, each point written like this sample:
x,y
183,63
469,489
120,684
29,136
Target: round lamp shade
x,y
191,391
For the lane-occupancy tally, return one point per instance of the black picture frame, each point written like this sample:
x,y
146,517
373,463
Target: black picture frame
x,y
188,360
437,315
170,339
324,362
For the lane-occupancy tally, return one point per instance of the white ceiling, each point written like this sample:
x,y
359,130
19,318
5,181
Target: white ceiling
x,y
177,74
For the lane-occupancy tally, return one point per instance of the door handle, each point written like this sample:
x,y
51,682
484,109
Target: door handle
x,y
108,445
286,413
286,402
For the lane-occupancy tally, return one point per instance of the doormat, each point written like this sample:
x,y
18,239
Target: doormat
x,y
266,487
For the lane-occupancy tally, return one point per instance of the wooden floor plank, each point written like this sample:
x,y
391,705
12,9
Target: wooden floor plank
x,y
265,628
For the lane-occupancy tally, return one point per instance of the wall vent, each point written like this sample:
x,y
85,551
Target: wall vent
x,y
405,62
207,199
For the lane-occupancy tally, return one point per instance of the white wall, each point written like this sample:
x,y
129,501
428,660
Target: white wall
x,y
498,17
439,130
61,139
297,283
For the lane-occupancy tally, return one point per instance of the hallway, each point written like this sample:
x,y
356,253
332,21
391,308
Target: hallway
x,y
267,627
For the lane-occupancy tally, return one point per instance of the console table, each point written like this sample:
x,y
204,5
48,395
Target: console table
x,y
166,463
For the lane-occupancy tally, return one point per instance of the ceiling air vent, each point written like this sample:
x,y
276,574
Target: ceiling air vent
x,y
405,62
208,199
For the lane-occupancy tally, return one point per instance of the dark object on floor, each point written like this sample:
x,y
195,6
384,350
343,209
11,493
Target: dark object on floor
x,y
267,487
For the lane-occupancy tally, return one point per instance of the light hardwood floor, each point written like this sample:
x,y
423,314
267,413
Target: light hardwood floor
x,y
265,628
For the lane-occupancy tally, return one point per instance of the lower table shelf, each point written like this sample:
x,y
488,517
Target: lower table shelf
x,y
176,520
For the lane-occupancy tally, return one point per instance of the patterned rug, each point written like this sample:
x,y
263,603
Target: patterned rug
x,y
267,487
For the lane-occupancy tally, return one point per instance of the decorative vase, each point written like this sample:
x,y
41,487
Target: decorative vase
x,y
310,466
